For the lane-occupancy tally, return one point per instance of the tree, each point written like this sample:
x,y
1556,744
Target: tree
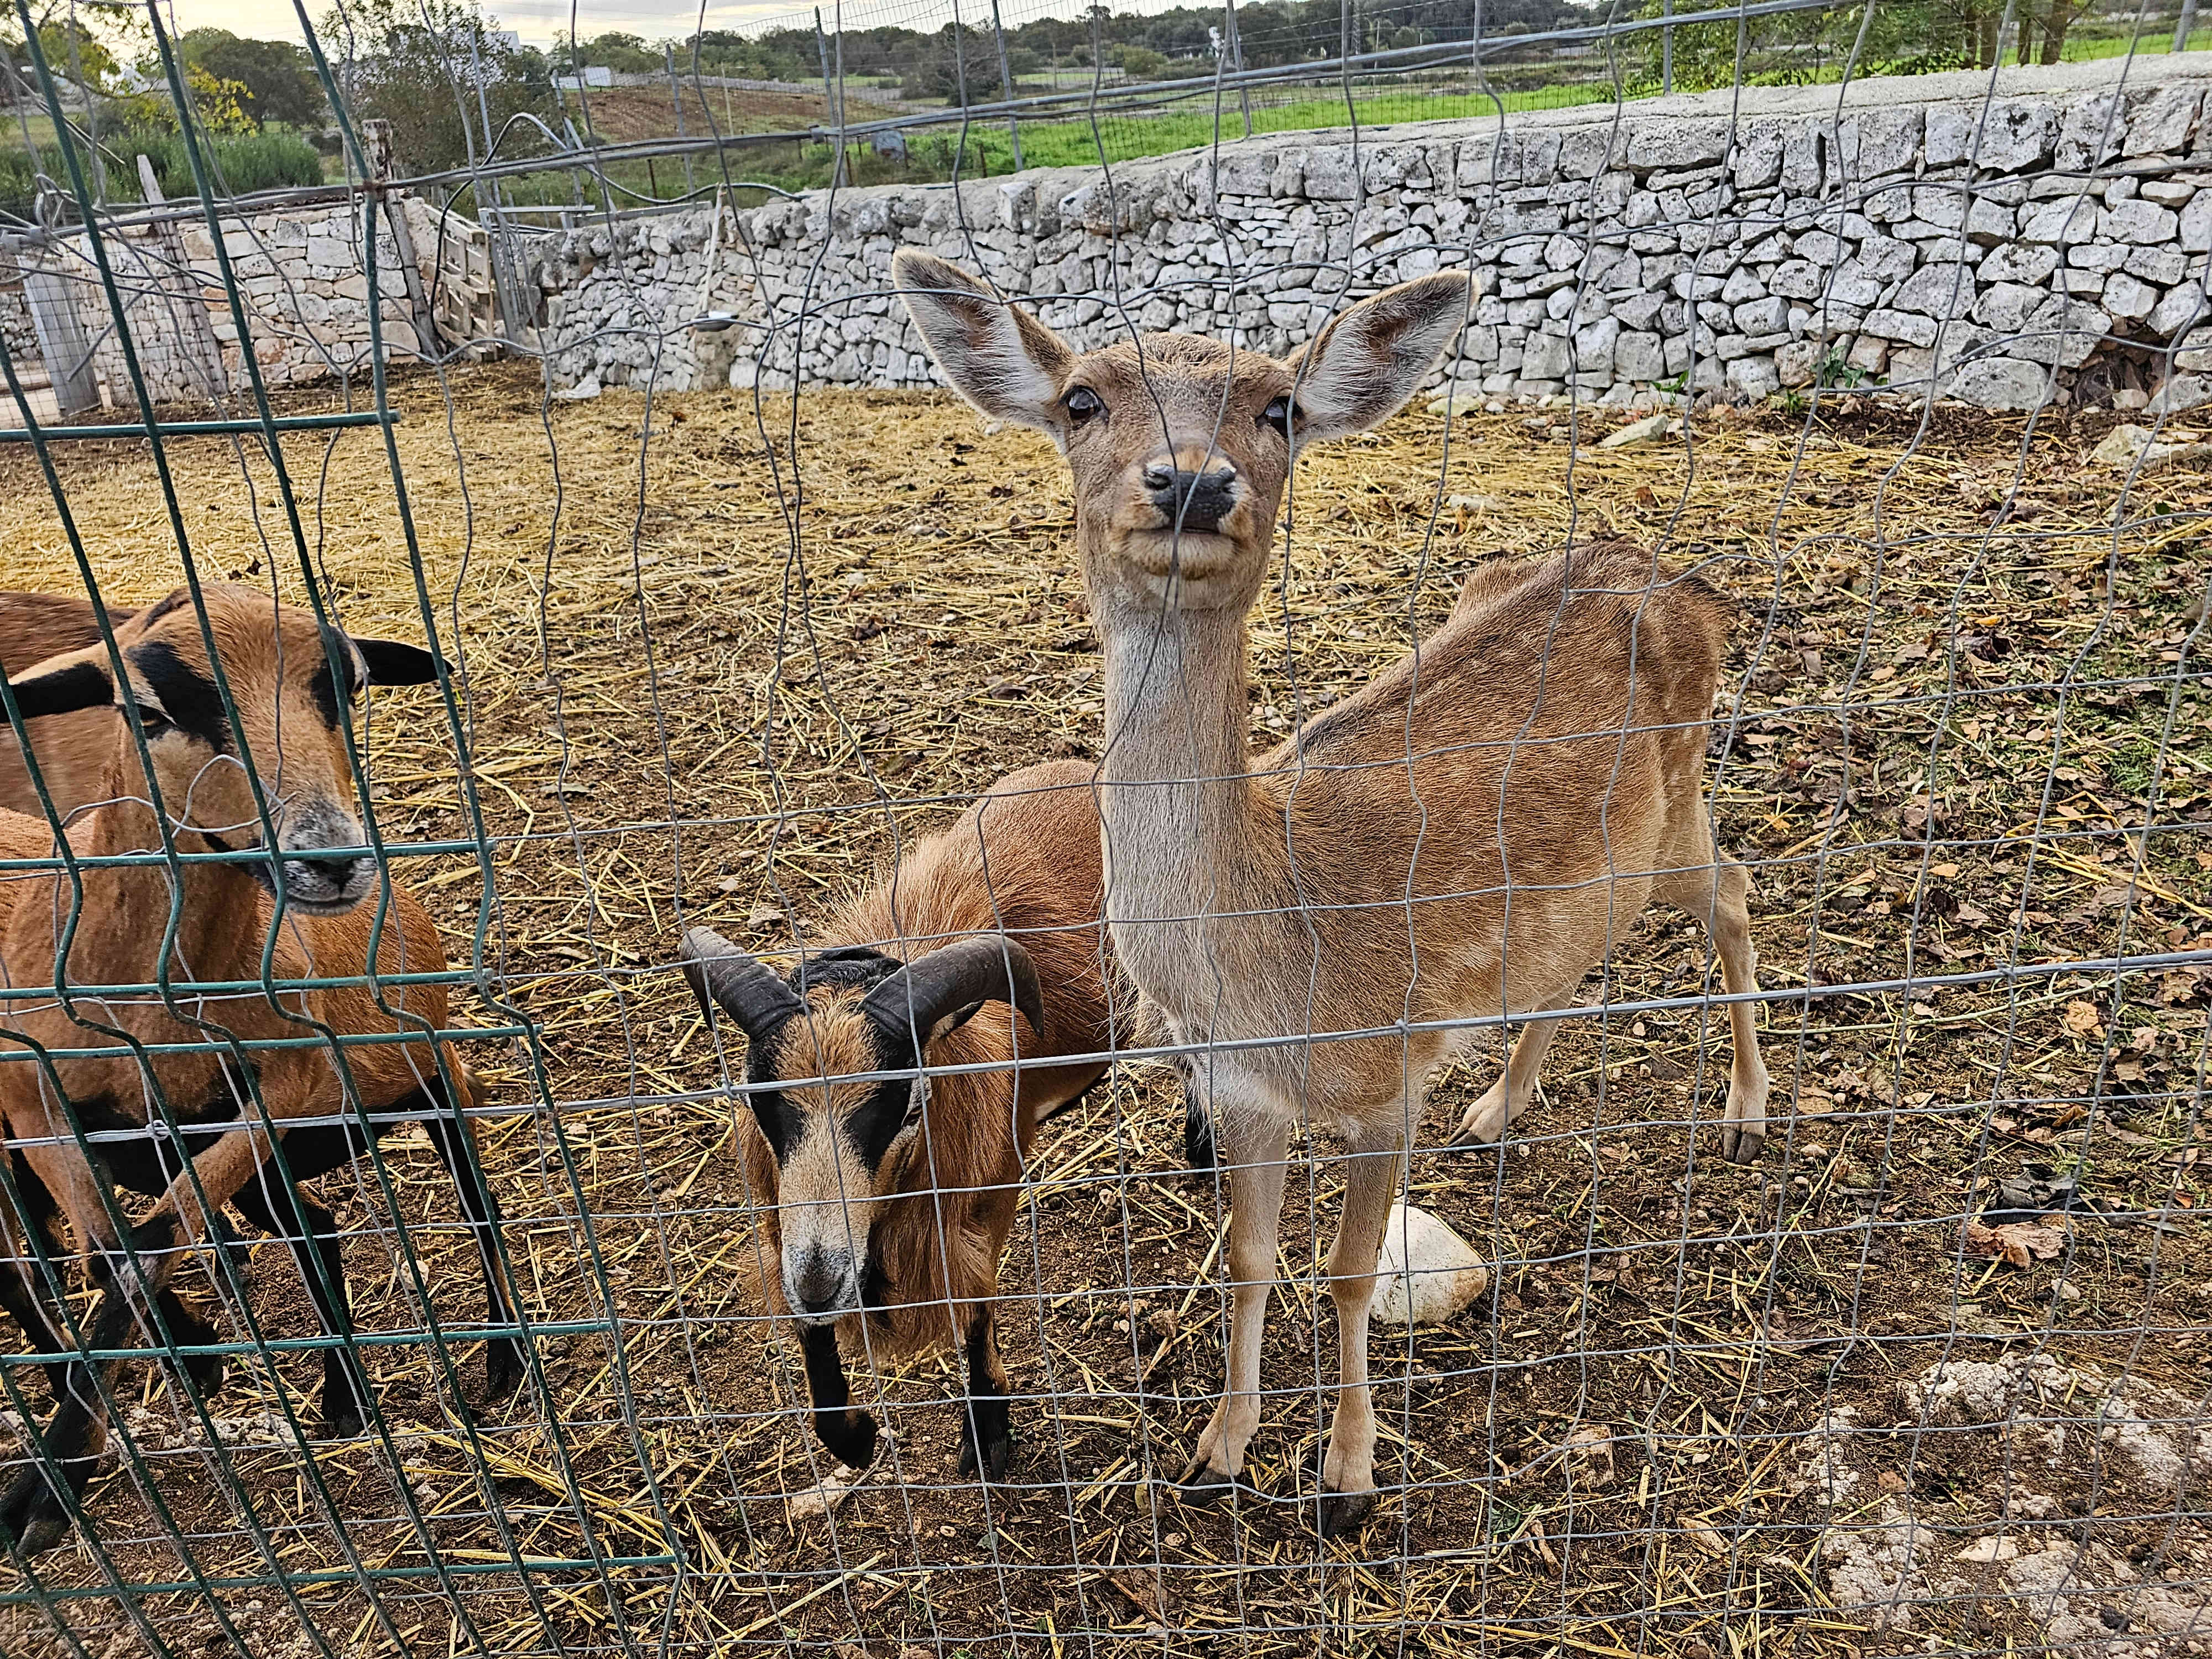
x,y
279,86
437,81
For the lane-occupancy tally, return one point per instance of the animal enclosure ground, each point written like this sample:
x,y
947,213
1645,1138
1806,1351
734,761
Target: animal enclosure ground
x,y
1970,729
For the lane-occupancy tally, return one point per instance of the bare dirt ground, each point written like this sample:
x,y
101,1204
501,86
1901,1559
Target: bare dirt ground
x,y
1803,1407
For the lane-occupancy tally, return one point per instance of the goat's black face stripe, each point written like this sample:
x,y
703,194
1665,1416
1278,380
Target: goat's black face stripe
x,y
874,1124
187,695
81,685
324,693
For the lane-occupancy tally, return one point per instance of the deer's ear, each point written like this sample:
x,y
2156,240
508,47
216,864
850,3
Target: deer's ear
x,y
1003,361
1370,360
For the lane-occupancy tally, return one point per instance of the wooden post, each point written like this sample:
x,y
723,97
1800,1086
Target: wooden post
x,y
201,346
1236,64
1007,84
676,97
376,139
834,107
60,339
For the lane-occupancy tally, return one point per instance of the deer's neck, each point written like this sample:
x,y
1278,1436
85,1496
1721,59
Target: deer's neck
x,y
1184,834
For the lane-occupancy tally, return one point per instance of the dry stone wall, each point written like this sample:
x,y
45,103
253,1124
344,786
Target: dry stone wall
x,y
2040,234
303,275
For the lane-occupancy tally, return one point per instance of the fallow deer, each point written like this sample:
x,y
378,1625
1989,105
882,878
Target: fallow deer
x,y
1468,836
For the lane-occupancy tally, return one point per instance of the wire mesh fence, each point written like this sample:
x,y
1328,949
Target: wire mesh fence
x,y
423,1238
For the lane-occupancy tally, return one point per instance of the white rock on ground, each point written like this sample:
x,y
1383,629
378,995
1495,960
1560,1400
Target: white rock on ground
x,y
1426,1273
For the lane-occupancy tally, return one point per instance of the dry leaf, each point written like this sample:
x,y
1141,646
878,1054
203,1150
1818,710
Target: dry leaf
x,y
2083,1020
1706,1539
2017,1241
1142,1595
1593,1442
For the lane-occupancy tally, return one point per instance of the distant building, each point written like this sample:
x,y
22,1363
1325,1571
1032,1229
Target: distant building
x,y
594,75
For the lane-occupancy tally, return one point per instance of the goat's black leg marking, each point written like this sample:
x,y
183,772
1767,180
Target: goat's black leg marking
x,y
36,1510
24,1291
987,1441
311,1232
850,1434
449,1132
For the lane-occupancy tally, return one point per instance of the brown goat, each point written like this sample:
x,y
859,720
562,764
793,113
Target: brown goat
x,y
288,680
1468,836
888,1202
72,748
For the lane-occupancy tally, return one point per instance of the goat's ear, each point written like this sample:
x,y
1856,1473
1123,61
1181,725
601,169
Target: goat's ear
x,y
391,662
66,685
1003,361
1370,360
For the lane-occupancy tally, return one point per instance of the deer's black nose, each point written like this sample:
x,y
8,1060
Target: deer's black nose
x,y
1192,501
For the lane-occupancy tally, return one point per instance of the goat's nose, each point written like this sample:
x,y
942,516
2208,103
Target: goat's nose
x,y
338,871
1194,500
818,1286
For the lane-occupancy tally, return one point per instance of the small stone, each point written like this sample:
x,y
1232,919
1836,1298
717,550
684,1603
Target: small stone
x,y
1984,1551
1651,426
2129,445
818,1501
2182,391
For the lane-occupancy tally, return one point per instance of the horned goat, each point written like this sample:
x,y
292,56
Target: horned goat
x,y
287,680
888,1203
1467,836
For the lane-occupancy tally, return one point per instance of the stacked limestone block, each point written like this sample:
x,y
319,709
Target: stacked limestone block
x,y
2042,235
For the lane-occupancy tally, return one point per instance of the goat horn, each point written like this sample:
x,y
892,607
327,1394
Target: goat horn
x,y
747,988
990,969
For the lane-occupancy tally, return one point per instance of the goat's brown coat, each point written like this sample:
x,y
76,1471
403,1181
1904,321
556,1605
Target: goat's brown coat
x,y
1025,862
270,656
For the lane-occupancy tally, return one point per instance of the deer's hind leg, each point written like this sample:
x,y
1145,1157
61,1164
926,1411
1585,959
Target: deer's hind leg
x,y
1717,893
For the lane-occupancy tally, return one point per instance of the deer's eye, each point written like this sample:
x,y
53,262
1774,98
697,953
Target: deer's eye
x,y
1278,414
1083,403
153,723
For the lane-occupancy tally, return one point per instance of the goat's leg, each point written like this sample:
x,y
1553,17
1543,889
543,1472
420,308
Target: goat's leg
x,y
849,1433
310,1231
38,1507
27,1236
1717,895
1485,1122
449,1132
986,1439
1255,1143
1371,1182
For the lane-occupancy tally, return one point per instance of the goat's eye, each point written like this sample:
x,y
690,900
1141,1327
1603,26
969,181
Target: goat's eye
x,y
154,723
1278,415
1082,403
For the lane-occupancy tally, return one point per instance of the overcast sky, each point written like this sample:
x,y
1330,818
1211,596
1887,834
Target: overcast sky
x,y
538,21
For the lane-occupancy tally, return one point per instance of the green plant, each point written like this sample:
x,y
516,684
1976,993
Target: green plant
x,y
1835,371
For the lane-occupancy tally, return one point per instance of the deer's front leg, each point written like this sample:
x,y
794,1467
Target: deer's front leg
x,y
1256,1172
1370,1181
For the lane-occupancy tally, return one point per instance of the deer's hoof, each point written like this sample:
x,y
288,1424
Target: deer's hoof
x,y
1345,1512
